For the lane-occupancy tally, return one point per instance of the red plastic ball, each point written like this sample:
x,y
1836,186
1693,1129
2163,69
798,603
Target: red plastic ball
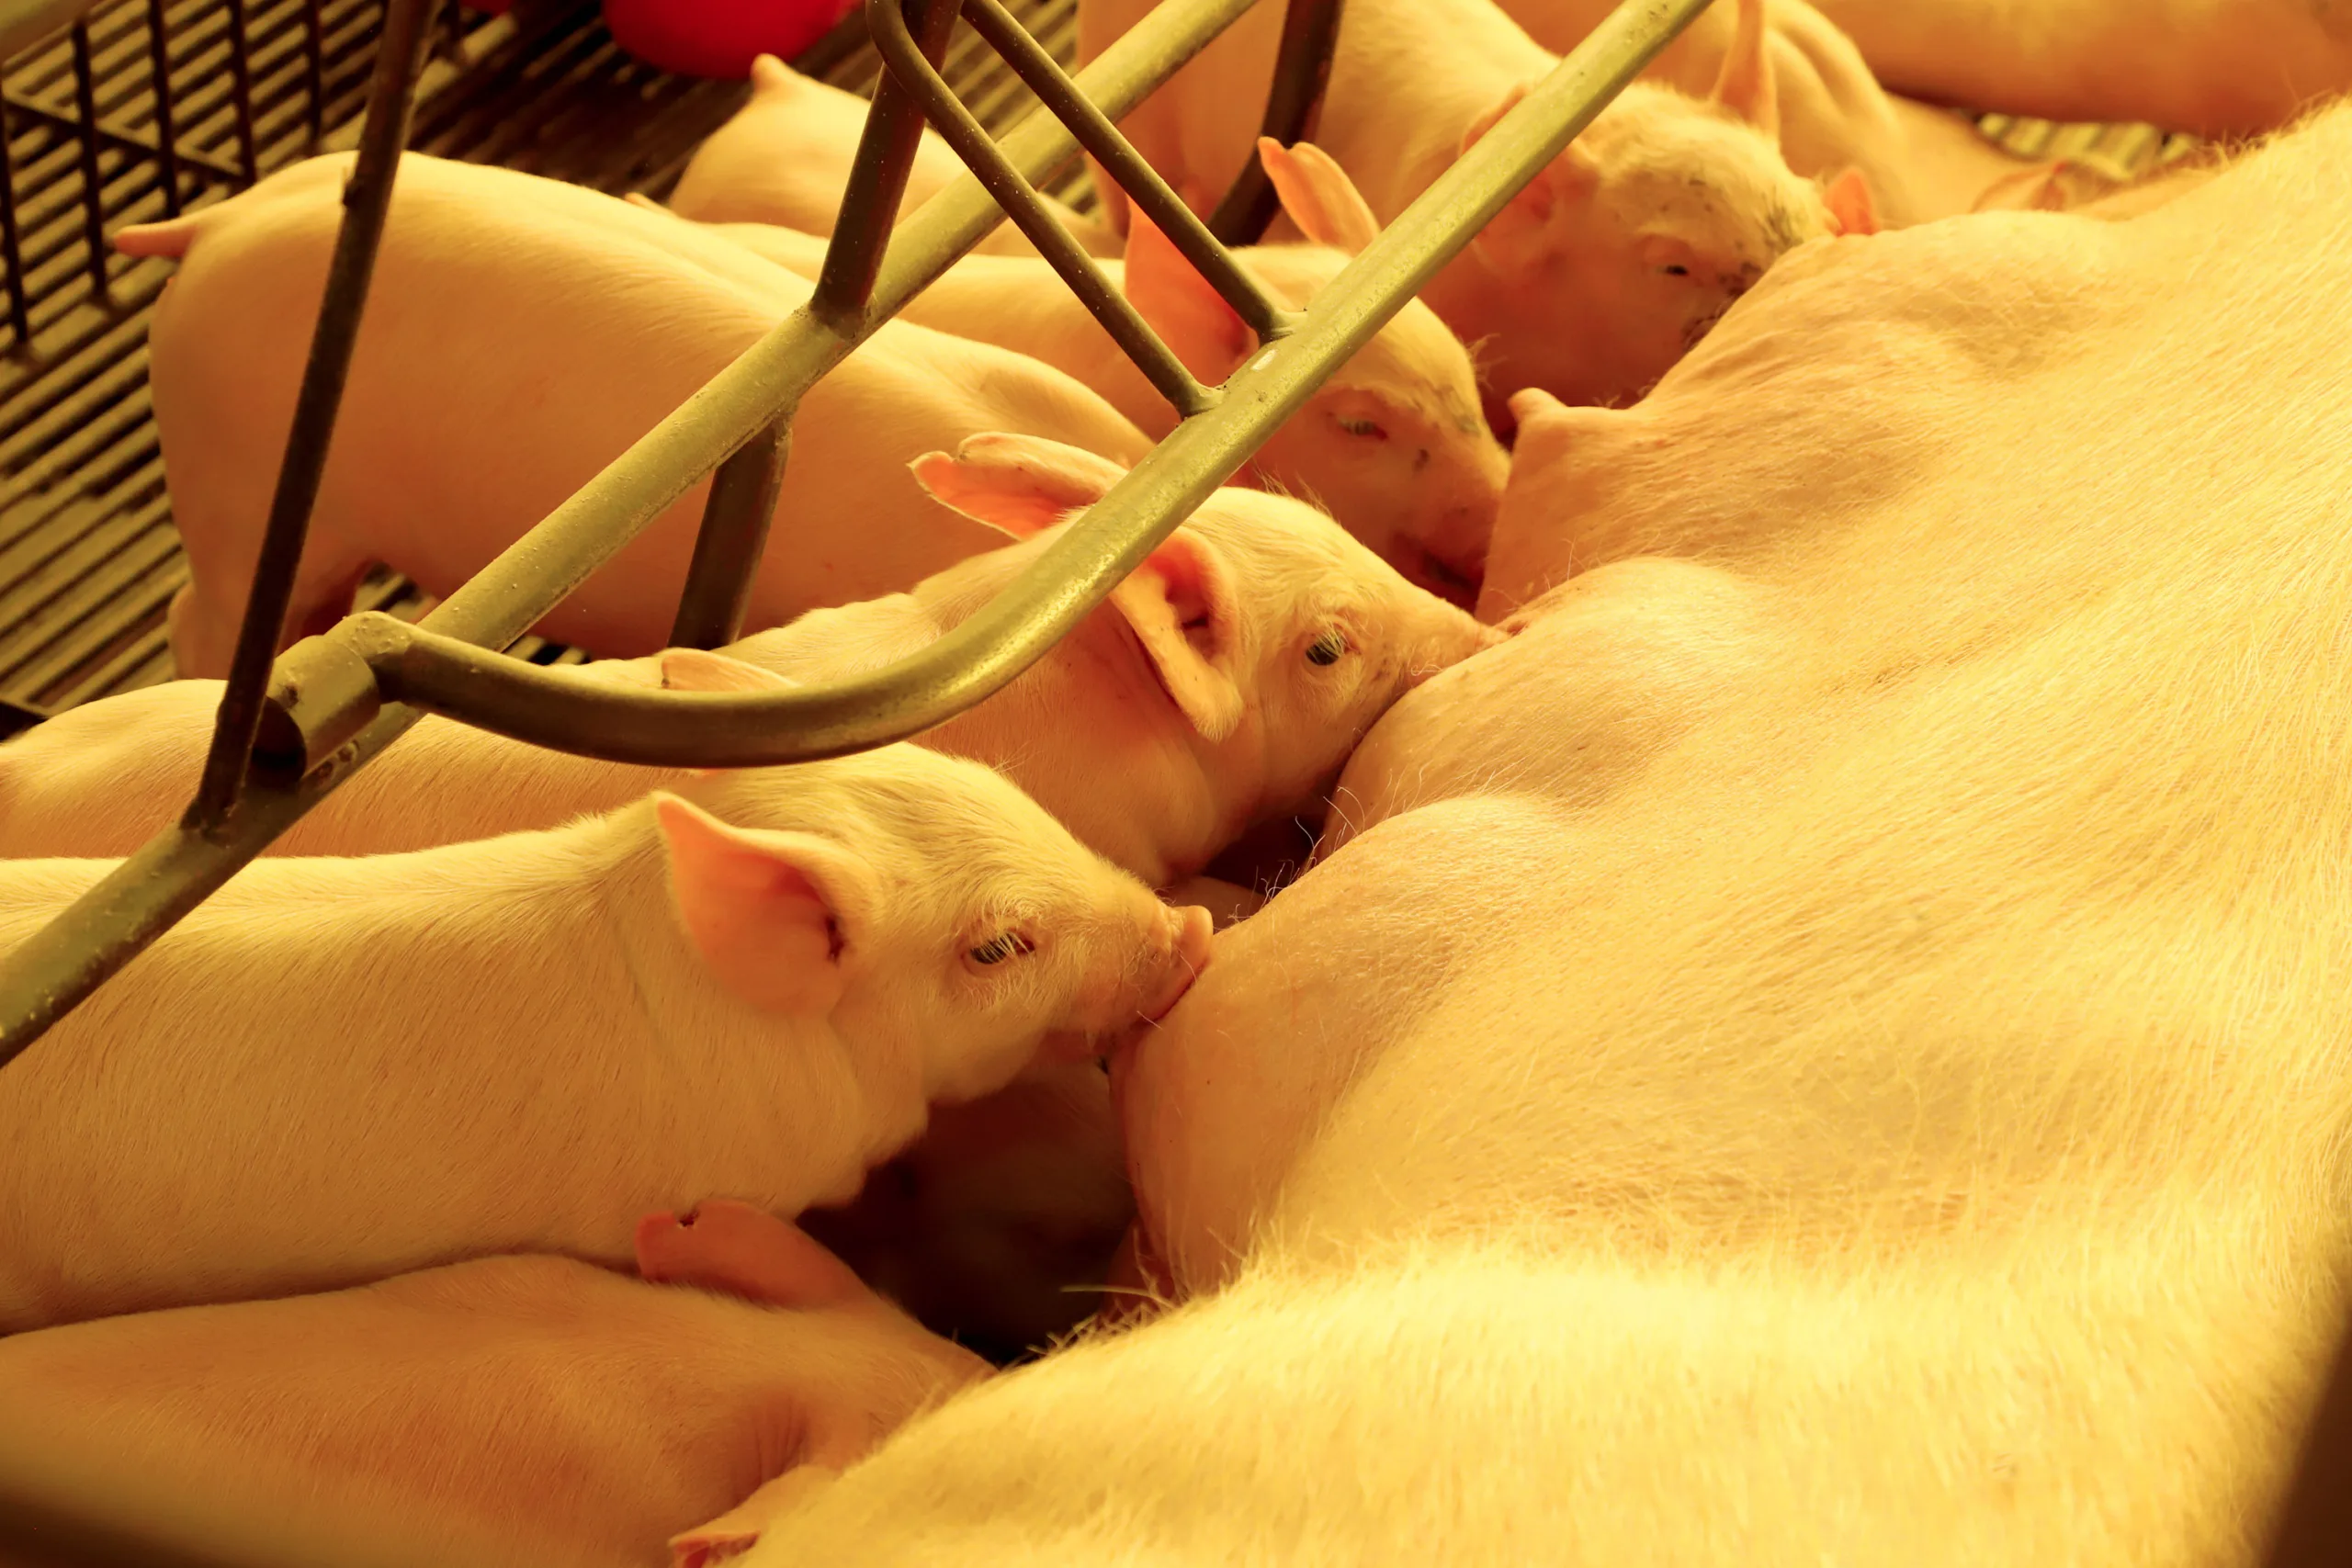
x,y
718,38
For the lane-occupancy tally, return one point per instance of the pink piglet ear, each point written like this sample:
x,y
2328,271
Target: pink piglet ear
x,y
1851,210
770,913
1518,238
1180,606
700,669
1203,331
1018,484
1318,196
1744,86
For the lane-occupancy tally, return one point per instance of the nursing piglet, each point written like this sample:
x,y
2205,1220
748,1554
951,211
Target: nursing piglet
x,y
1392,444
574,1416
786,156
1221,686
1606,267
336,1069
1920,161
519,334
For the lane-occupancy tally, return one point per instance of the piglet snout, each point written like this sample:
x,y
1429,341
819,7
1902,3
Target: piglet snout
x,y
1188,955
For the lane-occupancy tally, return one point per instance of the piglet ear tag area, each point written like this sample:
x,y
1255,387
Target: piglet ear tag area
x,y
1179,605
755,906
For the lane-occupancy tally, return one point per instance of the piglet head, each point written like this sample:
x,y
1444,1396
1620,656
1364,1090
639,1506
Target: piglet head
x,y
927,913
1393,443
1277,636
1627,248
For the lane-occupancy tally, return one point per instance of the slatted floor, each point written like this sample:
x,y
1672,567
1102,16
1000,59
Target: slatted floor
x,y
87,555
88,559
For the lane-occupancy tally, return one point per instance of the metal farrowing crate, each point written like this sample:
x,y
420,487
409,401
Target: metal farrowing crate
x,y
290,729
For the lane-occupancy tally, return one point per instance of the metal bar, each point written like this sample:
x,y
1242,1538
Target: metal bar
x,y
877,180
2313,1527
240,95
1123,163
740,508
159,55
48,974
94,215
366,202
1302,70
735,522
12,251
1027,208
315,74
387,660
116,132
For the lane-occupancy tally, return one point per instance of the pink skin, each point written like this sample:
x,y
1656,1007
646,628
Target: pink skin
x,y
765,1008
1607,266
785,159
517,1409
1825,473
2210,67
1908,314
1089,731
520,334
1392,444
1920,162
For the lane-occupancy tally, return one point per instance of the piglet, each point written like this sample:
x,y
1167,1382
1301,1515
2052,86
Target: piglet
x,y
1606,267
1392,444
519,334
784,158
1221,686
574,1416
335,1069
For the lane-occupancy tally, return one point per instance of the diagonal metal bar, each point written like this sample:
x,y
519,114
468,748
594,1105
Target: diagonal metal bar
x,y
159,56
52,971
366,202
379,658
878,180
1123,163
740,509
1302,70
1027,208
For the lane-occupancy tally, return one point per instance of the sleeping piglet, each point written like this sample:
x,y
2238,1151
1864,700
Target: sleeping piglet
x,y
336,1069
520,334
575,1416
1221,686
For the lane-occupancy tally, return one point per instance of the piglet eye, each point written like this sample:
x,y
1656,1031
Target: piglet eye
x,y
997,949
1327,649
1364,427
1675,269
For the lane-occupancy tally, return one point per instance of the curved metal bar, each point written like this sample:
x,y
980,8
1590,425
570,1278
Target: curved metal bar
x,y
1119,159
687,729
1302,70
47,975
1021,203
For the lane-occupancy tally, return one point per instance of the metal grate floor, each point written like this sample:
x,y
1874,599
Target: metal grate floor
x,y
88,559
